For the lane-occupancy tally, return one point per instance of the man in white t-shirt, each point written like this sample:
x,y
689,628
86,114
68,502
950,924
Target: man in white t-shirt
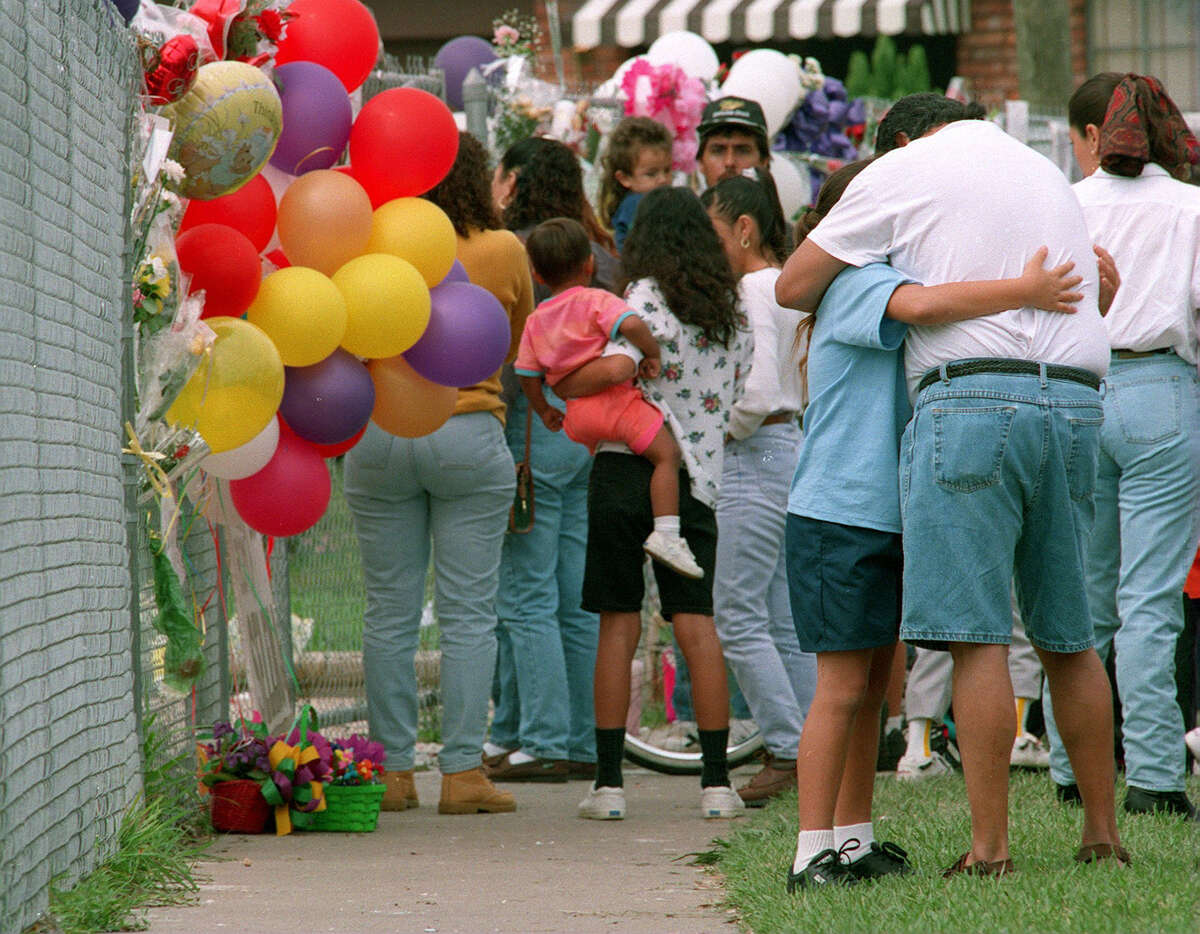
x,y
999,461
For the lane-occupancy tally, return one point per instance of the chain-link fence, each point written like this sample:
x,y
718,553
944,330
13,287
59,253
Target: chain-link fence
x,y
69,762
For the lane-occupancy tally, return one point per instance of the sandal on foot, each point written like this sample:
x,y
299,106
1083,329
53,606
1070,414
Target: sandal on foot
x,y
1001,867
1097,852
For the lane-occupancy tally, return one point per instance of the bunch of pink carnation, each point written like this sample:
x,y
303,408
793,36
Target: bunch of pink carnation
x,y
667,94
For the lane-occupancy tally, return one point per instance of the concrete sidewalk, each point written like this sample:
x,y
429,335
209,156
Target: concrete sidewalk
x,y
541,869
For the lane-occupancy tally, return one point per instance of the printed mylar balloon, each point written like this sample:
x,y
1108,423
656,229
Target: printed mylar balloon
x,y
303,313
416,230
236,389
406,403
387,304
226,128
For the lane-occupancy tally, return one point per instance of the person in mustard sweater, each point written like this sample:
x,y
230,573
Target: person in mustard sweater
x,y
448,492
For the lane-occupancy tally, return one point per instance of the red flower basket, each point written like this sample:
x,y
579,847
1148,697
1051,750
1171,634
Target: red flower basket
x,y
239,807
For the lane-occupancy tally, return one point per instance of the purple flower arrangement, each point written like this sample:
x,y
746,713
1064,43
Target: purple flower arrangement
x,y
827,124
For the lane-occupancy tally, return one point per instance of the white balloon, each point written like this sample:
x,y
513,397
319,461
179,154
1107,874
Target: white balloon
x,y
794,184
770,78
689,51
612,87
247,460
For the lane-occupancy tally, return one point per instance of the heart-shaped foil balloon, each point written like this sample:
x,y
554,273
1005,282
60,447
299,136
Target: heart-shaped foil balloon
x,y
171,70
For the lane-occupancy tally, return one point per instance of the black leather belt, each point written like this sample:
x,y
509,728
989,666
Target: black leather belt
x,y
1122,354
1019,367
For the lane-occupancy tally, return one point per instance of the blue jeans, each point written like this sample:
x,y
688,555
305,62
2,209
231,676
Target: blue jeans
x,y
1147,500
997,473
547,644
750,593
452,488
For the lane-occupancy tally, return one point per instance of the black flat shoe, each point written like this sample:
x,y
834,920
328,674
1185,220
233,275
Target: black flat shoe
x,y
1068,794
1144,801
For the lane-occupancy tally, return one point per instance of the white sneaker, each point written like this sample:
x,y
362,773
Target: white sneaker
x,y
673,551
718,801
605,803
917,768
1029,753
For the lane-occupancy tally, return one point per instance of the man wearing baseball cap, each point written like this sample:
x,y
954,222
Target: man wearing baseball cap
x,y
733,137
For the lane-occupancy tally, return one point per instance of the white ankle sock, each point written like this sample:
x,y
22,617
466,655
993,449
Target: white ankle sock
x,y
668,525
519,757
808,844
893,723
863,833
918,737
491,749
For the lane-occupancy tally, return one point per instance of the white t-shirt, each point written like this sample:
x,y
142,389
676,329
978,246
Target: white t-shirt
x,y
1151,226
967,203
774,383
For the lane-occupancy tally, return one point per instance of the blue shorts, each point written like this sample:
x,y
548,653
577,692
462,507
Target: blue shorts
x,y
844,585
997,474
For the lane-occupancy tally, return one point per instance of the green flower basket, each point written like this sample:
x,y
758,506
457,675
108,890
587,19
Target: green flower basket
x,y
349,808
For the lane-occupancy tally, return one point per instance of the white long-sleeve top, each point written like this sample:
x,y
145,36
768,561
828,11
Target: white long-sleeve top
x,y
774,383
1151,226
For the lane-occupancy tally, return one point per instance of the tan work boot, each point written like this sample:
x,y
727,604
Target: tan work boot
x,y
470,792
777,776
401,791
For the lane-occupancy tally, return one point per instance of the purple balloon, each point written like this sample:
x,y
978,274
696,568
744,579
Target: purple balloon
x,y
329,401
126,8
456,59
467,337
316,118
457,273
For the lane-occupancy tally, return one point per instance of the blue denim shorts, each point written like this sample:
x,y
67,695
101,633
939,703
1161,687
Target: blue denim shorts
x,y
844,585
997,474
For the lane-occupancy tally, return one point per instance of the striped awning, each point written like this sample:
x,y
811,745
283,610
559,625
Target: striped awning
x,y
632,23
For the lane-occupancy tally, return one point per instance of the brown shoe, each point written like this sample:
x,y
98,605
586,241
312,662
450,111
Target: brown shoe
x,y
490,762
539,770
581,770
1096,852
1001,867
470,792
401,791
775,777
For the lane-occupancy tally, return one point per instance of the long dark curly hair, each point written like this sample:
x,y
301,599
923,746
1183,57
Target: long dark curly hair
x,y
466,193
672,241
549,184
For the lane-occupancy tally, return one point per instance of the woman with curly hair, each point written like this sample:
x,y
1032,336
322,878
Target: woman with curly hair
x,y
450,490
681,286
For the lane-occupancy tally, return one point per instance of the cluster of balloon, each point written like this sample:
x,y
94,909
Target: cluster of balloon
x,y
363,313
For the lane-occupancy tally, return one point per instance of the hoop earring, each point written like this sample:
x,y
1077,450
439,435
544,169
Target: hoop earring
x,y
745,243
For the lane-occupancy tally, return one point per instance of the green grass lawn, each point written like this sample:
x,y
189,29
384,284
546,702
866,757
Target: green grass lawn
x,y
1160,892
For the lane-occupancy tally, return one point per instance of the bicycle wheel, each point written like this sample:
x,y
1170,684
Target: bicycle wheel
x,y
650,752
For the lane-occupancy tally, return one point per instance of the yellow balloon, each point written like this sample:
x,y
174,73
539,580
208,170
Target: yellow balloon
x,y
226,128
324,220
418,231
387,304
236,389
406,403
303,313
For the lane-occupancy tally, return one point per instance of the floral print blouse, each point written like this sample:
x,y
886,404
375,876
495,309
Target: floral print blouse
x,y
697,386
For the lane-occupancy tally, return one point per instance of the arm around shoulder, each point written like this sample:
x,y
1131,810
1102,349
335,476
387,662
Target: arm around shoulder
x,y
805,277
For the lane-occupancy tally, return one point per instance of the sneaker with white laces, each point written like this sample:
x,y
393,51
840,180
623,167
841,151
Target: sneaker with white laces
x,y
604,803
1029,753
718,801
918,768
673,551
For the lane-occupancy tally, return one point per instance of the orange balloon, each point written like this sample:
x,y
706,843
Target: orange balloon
x,y
324,220
406,403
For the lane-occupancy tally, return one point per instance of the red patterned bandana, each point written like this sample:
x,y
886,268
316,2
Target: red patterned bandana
x,y
1144,125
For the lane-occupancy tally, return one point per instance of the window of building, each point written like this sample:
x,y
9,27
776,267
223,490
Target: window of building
x,y
1155,37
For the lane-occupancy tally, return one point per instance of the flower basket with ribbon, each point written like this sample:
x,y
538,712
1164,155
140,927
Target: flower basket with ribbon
x,y
238,806
300,764
355,792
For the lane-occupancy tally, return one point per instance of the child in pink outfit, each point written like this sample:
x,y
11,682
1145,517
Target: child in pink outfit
x,y
564,336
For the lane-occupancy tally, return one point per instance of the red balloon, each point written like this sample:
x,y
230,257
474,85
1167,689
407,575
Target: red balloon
x,y
333,450
349,170
287,496
402,144
250,209
278,258
224,264
339,34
